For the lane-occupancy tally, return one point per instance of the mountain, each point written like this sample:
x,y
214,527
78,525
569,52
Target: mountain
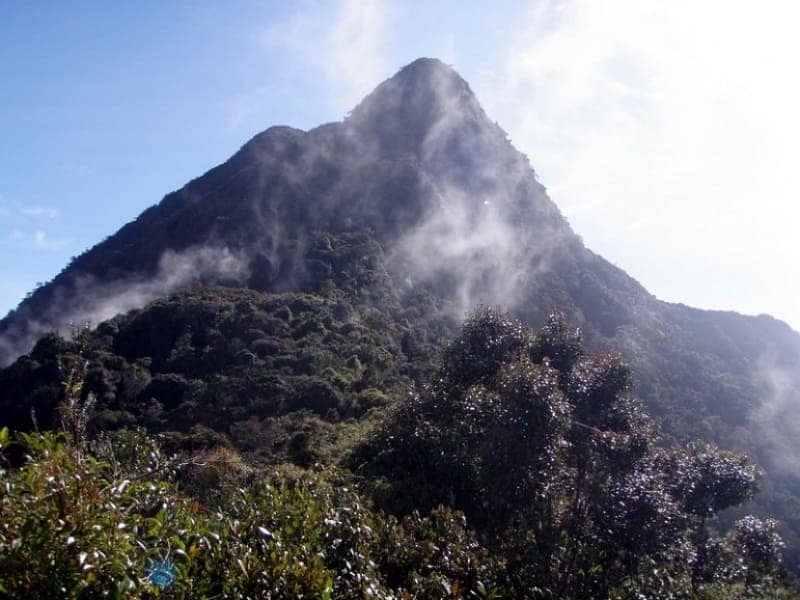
x,y
417,162
321,270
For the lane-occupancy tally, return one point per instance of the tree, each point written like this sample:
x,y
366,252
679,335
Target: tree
x,y
556,464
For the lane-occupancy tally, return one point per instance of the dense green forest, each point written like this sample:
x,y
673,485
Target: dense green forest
x,y
523,469
263,386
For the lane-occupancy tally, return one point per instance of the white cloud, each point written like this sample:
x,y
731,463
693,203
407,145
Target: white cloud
x,y
246,104
355,45
775,420
349,52
38,240
448,52
8,208
91,301
668,134
39,211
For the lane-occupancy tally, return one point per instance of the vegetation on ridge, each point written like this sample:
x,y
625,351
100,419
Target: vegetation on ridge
x,y
525,469
357,247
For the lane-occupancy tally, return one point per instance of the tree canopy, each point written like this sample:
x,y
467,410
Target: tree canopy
x,y
525,468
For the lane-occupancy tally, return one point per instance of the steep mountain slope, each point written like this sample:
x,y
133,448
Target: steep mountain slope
x,y
417,162
454,212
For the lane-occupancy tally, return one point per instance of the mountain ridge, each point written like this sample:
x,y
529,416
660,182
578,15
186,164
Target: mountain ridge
x,y
456,212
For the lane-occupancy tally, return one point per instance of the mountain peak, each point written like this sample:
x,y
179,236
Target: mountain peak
x,y
414,209
419,96
425,69
422,76
427,110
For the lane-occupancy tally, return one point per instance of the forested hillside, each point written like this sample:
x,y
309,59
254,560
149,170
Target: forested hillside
x,y
293,301
522,469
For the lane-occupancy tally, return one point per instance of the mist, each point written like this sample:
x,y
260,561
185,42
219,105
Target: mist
x,y
775,420
487,228
90,301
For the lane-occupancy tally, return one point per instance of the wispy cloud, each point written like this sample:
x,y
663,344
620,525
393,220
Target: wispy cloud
x,y
346,47
35,211
246,104
39,211
675,126
84,299
775,420
355,46
38,240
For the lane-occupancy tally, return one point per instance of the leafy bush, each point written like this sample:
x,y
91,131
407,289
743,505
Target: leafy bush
x,y
526,469
109,519
556,464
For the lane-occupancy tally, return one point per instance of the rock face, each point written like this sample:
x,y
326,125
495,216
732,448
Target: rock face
x,y
456,211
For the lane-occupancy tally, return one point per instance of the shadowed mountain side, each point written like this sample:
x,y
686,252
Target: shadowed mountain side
x,y
424,164
453,209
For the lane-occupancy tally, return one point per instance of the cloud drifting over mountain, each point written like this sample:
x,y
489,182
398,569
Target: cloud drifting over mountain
x,y
665,132
91,302
345,46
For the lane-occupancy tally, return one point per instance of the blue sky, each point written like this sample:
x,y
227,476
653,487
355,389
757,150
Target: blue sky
x,y
666,132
